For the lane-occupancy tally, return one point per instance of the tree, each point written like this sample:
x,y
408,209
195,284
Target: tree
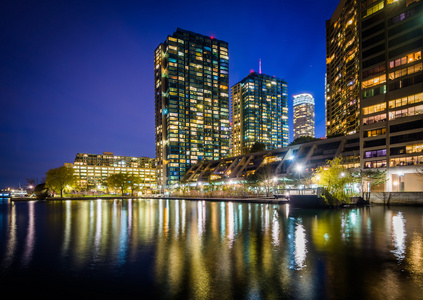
x,y
31,181
369,177
303,139
134,183
264,176
257,147
334,179
118,181
60,179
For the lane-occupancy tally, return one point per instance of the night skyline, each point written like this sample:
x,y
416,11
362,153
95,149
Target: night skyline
x,y
78,77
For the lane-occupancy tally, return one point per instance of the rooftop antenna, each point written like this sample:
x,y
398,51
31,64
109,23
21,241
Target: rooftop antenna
x,y
260,66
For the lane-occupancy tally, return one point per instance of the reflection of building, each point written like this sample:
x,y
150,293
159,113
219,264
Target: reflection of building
x,y
282,160
342,56
191,73
93,169
389,68
303,115
259,112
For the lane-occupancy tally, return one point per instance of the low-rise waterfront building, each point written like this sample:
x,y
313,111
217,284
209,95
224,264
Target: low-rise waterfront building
x,y
92,170
284,161
403,177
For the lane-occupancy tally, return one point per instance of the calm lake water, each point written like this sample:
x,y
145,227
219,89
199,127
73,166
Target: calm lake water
x,y
209,250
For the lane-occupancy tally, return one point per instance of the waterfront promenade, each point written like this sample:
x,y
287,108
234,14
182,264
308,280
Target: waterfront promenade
x,y
376,198
272,200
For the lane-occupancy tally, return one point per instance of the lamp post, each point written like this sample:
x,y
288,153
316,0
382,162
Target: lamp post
x,y
299,168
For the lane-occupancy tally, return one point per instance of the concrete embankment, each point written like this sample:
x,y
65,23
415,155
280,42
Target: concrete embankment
x,y
245,200
392,198
397,198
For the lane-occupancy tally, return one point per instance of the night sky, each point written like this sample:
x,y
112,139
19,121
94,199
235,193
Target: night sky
x,y
77,75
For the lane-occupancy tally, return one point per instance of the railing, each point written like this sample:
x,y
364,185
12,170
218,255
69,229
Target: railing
x,y
287,192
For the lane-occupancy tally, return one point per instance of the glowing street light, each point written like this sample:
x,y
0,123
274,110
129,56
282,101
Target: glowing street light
x,y
299,168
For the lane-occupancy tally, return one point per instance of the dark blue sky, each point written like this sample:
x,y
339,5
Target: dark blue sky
x,y
77,75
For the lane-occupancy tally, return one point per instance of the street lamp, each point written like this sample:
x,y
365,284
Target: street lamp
x,y
299,168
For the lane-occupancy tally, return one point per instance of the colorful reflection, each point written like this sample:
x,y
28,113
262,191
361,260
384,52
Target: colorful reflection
x,y
199,249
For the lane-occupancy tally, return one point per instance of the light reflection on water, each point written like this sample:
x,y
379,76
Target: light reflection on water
x,y
300,246
199,249
398,225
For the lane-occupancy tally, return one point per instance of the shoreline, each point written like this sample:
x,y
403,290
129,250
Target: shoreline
x,y
245,200
377,199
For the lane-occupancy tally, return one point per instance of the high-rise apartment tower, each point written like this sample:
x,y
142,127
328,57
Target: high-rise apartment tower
x,y
191,77
342,66
389,75
303,115
259,113
391,43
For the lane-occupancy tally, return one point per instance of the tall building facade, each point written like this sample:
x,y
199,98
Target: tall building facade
x,y
191,75
342,70
92,170
259,113
390,77
391,42
303,107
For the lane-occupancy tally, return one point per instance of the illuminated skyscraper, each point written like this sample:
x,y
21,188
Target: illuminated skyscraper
x,y
303,115
374,47
191,74
342,67
391,75
259,112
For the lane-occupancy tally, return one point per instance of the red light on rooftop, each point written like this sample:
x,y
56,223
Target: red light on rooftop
x,y
212,37
251,71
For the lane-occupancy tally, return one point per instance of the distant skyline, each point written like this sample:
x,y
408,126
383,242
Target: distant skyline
x,y
77,76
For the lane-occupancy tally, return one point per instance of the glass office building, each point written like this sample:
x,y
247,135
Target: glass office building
x,y
303,107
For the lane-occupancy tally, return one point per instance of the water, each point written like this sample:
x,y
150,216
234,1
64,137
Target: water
x,y
161,249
